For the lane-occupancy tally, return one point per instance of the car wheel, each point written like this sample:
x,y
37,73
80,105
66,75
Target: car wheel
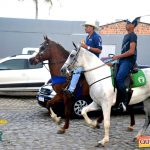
x,y
77,107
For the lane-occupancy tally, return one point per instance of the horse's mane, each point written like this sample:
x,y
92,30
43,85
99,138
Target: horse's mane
x,y
61,48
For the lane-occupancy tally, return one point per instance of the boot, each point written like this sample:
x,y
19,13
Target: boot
x,y
126,99
118,100
124,102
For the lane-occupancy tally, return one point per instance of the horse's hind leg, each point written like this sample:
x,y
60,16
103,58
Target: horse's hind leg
x,y
147,118
132,118
100,119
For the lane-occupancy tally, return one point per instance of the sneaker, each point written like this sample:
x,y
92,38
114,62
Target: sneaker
x,y
121,107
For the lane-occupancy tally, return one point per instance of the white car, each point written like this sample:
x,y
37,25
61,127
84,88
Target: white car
x,y
19,77
30,50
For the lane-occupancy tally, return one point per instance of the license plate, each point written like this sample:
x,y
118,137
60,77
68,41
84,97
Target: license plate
x,y
41,98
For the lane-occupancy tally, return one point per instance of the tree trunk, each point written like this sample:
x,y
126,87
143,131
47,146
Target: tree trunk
x,y
36,9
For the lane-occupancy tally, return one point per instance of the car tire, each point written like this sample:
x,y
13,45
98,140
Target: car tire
x,y
77,107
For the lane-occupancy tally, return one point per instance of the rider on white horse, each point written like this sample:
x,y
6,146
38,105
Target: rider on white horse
x,y
93,43
98,76
127,60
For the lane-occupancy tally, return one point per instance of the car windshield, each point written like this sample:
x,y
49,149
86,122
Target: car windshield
x,y
17,64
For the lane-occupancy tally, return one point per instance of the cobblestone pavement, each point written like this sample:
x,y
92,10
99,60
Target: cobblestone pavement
x,y
30,128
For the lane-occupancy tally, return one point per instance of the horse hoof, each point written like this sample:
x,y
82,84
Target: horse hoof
x,y
130,128
97,126
58,120
61,131
135,139
99,145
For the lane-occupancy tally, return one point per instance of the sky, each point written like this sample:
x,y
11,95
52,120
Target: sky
x,y
103,11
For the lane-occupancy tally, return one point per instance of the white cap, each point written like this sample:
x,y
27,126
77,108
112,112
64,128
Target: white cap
x,y
91,23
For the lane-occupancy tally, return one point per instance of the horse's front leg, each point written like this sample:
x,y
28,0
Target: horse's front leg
x,y
54,116
91,107
106,113
68,107
50,103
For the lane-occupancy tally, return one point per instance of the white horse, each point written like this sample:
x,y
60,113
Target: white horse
x,y
102,92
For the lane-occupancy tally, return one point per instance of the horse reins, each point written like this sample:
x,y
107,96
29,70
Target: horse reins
x,y
97,68
91,68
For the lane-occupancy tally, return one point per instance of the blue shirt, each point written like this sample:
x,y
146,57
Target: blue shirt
x,y
94,41
128,38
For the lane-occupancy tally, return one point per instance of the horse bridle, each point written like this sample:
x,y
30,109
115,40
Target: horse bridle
x,y
74,59
42,49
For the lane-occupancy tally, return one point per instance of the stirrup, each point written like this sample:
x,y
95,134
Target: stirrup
x,y
66,91
122,107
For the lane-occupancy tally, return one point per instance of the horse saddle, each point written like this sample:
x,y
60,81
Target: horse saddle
x,y
136,77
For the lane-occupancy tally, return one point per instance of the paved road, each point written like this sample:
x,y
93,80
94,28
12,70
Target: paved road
x,y
30,128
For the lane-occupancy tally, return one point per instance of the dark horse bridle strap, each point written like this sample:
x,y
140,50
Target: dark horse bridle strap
x,y
99,80
97,68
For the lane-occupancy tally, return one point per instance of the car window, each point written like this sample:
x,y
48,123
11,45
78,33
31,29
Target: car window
x,y
16,64
3,67
30,52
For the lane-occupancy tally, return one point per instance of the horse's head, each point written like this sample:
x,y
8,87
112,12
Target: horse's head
x,y
43,52
44,46
72,61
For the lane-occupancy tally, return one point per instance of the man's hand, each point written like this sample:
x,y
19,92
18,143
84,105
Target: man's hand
x,y
82,41
83,44
116,57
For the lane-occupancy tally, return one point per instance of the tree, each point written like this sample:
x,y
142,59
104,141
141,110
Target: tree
x,y
37,7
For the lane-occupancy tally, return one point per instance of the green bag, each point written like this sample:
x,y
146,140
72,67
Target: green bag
x,y
138,78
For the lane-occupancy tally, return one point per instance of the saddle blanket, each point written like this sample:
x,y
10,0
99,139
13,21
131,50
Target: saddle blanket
x,y
138,79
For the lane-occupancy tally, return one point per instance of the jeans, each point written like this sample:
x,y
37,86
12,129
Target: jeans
x,y
123,71
75,78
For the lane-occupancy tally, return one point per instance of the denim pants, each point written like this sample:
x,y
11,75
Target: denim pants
x,y
123,71
75,78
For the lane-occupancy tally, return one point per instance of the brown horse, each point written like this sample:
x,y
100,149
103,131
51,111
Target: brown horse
x,y
56,56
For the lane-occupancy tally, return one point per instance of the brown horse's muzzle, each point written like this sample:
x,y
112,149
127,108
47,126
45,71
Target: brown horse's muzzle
x,y
33,61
